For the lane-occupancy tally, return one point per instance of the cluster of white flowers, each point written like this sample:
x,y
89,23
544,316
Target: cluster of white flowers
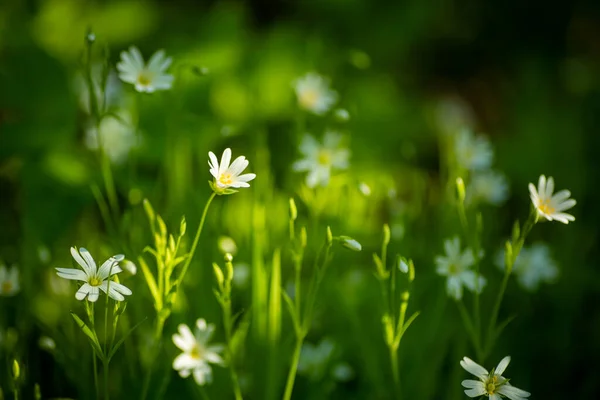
x,y
490,384
9,281
197,354
321,159
457,265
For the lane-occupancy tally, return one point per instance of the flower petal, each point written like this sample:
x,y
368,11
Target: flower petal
x,y
502,365
70,273
110,266
83,291
473,368
88,259
225,160
513,393
81,262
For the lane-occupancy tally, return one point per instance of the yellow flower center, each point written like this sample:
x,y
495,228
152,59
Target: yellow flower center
x,y
452,269
490,385
546,207
226,179
308,98
144,79
7,287
94,281
324,157
197,352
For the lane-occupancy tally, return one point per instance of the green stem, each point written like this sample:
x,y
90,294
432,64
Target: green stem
x,y
469,327
96,375
228,334
154,353
395,370
289,386
106,393
196,239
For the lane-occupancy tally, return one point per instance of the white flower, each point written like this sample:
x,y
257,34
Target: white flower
x,y
227,245
197,354
145,77
456,265
9,281
551,206
320,159
241,274
117,136
314,94
473,152
350,243
452,113
533,266
314,358
95,279
489,186
490,384
226,175
342,114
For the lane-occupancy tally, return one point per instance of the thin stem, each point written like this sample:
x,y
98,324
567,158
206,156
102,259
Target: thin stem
x,y
289,386
106,394
196,239
395,370
297,291
96,375
469,327
228,334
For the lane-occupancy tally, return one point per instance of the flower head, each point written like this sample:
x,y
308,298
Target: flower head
x,y
320,159
488,186
473,153
490,384
551,206
197,353
456,265
533,266
228,175
145,77
314,94
9,281
95,279
115,136
314,359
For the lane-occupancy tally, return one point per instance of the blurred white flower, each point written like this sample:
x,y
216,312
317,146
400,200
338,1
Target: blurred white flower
x,y
342,114
364,189
490,384
342,372
117,136
456,265
95,279
403,266
453,114
533,266
314,94
489,186
226,175
145,77
47,343
314,359
551,206
129,266
197,353
473,153
241,274
227,245
44,254
351,244
320,159
9,281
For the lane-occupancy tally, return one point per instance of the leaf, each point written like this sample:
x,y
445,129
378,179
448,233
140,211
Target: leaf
x,y
410,321
151,283
290,305
239,336
503,325
90,334
120,342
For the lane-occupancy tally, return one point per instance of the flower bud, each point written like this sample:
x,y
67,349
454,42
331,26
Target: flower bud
x,y
386,234
293,209
350,243
460,187
329,237
16,370
218,274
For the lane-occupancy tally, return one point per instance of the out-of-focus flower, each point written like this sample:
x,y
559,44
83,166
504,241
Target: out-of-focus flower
x,y
320,159
314,359
456,265
241,274
145,77
452,114
226,175
116,136
342,372
197,353
314,94
129,266
551,206
342,114
44,254
533,266
490,384
473,153
47,343
489,186
9,281
364,189
106,97
95,279
227,245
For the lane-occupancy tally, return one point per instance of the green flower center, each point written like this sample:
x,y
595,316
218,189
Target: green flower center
x,y
7,287
197,352
492,384
144,79
94,281
324,157
309,97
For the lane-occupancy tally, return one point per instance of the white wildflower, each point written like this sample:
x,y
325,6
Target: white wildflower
x,y
227,245
453,114
145,77
9,281
490,384
533,266
314,359
116,136
314,94
197,353
228,175
489,186
551,206
456,265
321,159
342,115
95,279
473,152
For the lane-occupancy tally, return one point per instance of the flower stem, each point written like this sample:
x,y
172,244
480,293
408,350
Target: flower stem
x,y
289,386
395,370
196,239
228,334
106,393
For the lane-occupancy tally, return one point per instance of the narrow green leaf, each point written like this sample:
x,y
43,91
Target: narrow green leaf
x,y
290,305
275,298
90,334
410,321
120,342
151,283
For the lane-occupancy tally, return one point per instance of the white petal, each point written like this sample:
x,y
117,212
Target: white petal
x,y
185,361
238,165
454,288
473,368
303,165
81,261
502,365
225,160
246,177
88,259
213,163
237,185
475,392
136,57
83,291
470,384
70,273
541,186
94,293
156,60
513,393
549,188
110,266
203,374
185,340
213,357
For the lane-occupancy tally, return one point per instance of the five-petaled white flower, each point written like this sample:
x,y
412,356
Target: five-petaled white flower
x,y
95,279
533,266
320,159
145,77
226,175
456,265
197,354
9,281
490,384
551,206
314,94
474,153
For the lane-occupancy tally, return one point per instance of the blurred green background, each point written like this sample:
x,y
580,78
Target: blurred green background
x,y
528,73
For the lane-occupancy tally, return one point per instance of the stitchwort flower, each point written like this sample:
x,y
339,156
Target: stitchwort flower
x,y
9,281
320,159
227,175
489,186
456,265
146,78
314,94
490,384
95,279
533,266
551,206
473,153
197,353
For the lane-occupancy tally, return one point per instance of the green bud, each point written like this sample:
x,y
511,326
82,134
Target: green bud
x,y
386,234
229,267
460,187
172,243
37,392
508,256
303,237
405,296
516,232
388,329
329,237
16,370
411,271
161,225
149,210
182,226
293,209
218,274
